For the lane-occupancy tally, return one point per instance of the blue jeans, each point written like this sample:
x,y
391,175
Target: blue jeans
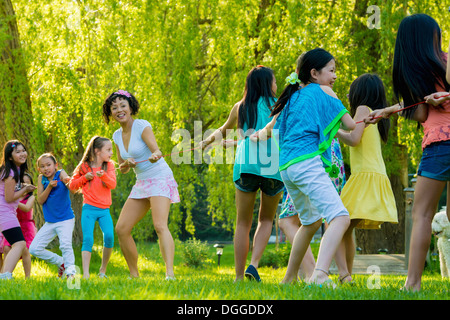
x,y
90,214
435,162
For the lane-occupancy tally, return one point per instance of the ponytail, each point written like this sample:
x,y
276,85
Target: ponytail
x,y
284,98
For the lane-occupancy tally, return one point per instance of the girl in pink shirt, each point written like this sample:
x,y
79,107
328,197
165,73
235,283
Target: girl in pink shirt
x,y
12,188
419,70
25,217
95,175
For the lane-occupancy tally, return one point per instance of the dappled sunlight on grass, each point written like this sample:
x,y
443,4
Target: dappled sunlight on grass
x,y
205,283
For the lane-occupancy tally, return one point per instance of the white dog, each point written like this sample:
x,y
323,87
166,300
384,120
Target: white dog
x,y
441,229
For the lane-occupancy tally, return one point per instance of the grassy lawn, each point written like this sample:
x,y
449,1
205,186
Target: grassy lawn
x,y
208,282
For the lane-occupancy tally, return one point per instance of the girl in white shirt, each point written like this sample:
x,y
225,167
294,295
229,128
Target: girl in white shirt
x,y
155,186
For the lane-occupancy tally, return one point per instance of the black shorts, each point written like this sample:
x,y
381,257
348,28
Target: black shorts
x,y
13,235
250,183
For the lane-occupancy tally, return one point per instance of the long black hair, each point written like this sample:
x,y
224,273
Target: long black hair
x,y
8,164
257,85
368,90
314,59
419,63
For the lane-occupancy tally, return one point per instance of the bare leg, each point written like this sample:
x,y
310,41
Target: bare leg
x,y
86,261
300,245
328,247
245,202
426,197
290,226
26,261
345,253
13,256
105,259
267,210
448,201
160,214
132,212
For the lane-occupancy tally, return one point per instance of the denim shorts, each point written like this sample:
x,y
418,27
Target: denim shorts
x,y
250,183
435,162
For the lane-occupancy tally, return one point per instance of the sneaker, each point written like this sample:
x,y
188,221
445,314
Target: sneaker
x,y
70,271
6,276
102,275
252,274
61,270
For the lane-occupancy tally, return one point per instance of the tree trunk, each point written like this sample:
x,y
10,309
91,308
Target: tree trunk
x,y
16,119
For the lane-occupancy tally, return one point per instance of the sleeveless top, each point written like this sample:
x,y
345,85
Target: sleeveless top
x,y
57,207
260,158
368,195
8,215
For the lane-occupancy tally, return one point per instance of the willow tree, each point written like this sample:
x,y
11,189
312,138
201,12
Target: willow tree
x,y
186,62
16,116
16,119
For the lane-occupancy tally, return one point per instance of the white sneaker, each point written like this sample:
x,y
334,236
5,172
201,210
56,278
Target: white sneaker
x,y
6,276
70,271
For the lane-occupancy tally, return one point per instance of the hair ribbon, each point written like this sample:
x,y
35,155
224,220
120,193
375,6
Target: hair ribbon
x,y
292,79
123,93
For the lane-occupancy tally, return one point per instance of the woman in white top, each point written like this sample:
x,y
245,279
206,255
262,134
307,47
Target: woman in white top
x,y
155,186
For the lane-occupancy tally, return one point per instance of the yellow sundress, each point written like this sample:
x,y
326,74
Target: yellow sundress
x,y
368,195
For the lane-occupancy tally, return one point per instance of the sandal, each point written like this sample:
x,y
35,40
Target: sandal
x,y
327,283
342,279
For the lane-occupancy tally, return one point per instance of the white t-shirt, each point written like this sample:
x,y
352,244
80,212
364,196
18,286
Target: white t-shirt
x,y
138,150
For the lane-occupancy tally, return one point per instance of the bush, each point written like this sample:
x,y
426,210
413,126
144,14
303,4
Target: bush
x,y
195,253
275,258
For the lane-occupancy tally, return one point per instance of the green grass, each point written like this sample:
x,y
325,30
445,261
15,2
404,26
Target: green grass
x,y
207,283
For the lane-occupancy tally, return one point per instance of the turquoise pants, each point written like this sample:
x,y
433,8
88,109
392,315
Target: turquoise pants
x,y
91,214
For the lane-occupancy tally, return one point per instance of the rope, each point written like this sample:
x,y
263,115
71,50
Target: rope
x,y
182,151
413,105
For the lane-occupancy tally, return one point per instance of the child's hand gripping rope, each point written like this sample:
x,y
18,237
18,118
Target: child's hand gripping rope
x,y
434,99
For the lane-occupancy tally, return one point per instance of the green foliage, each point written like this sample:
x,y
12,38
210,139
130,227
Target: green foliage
x,y
276,258
186,61
195,253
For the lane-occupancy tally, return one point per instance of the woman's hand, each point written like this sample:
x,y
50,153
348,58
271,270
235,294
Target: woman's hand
x,y
204,144
155,156
129,163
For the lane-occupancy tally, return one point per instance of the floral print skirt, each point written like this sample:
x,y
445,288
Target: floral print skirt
x,y
154,187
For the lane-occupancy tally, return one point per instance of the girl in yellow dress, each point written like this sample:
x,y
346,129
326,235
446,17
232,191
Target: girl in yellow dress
x,y
367,195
